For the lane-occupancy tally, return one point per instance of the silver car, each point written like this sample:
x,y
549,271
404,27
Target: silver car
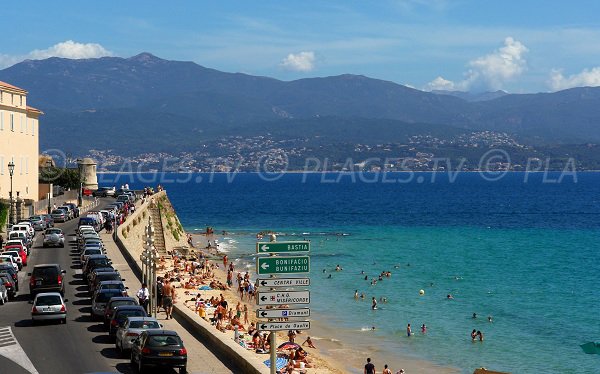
x,y
131,329
54,238
49,306
38,223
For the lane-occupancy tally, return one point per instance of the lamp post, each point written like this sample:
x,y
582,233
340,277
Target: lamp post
x,y
11,170
80,194
148,258
49,165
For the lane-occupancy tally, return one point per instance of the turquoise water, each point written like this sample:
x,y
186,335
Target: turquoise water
x,y
525,253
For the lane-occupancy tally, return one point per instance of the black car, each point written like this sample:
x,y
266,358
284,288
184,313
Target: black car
x,y
104,276
121,313
9,283
10,270
159,348
95,261
114,303
74,208
46,278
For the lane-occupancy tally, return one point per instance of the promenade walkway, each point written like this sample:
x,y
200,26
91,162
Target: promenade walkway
x,y
200,359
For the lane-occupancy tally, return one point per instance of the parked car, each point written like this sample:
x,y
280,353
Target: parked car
x,y
21,235
115,302
8,259
90,251
102,276
95,261
89,221
86,191
121,313
49,306
10,270
16,257
9,284
68,211
131,329
159,348
38,223
100,300
29,226
111,285
60,215
47,278
53,237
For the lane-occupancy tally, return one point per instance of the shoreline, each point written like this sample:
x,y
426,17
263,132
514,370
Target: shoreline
x,y
334,353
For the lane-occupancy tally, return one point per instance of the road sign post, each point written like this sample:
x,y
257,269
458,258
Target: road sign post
x,y
282,313
284,297
281,326
282,247
284,282
283,265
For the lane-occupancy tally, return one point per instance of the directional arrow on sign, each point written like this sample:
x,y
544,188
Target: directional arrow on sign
x,y
283,313
264,247
264,266
264,298
284,282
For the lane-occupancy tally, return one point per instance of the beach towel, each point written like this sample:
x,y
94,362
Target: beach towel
x,y
204,288
279,363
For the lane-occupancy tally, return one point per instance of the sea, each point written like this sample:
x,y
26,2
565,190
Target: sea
x,y
521,248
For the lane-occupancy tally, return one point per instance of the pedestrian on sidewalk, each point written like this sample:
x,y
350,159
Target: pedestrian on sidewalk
x,y
143,296
159,293
168,296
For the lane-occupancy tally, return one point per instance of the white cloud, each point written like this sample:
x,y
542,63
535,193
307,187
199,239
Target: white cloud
x,y
490,72
303,61
440,83
588,77
66,49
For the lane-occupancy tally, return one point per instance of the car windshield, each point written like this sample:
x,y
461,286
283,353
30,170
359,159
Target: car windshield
x,y
163,340
48,300
92,252
100,262
54,231
143,325
58,211
112,286
45,272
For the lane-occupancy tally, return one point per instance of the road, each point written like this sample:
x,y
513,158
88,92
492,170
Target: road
x,y
80,346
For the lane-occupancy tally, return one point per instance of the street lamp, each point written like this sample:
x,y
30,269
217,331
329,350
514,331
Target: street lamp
x,y
49,165
11,171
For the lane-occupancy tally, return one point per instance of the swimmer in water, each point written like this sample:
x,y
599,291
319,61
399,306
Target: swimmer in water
x,y
474,315
449,296
324,270
408,330
356,294
338,268
366,277
373,328
362,296
423,328
374,304
489,318
473,335
362,272
329,277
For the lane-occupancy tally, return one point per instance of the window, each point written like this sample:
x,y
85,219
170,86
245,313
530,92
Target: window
x,y
21,122
12,122
1,165
32,127
1,96
21,166
1,118
26,123
26,165
20,100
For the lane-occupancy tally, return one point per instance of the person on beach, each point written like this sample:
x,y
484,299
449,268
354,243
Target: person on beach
x,y
224,259
473,335
245,314
168,296
386,370
369,367
159,293
408,330
309,343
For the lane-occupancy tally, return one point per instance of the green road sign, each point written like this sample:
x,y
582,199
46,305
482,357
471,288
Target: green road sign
x,y
282,247
283,265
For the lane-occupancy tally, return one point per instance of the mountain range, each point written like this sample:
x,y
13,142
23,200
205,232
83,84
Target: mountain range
x,y
145,103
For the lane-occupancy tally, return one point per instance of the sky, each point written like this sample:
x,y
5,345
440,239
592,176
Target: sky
x,y
469,45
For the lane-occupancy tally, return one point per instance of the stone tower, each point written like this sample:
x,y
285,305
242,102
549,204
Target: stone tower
x,y
87,167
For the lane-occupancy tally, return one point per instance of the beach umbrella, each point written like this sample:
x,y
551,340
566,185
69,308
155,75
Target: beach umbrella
x,y
280,363
288,345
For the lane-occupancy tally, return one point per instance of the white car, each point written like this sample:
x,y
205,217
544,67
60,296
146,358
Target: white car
x,y
30,228
16,256
8,259
49,306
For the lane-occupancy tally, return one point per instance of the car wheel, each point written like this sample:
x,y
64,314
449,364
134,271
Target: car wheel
x,y
64,321
3,300
140,366
33,322
183,370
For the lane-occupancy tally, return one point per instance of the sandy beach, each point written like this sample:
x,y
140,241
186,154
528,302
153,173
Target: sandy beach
x,y
335,351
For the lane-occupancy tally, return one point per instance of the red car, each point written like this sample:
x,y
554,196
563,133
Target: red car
x,y
86,192
22,253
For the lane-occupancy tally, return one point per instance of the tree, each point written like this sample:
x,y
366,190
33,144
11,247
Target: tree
x,y
67,178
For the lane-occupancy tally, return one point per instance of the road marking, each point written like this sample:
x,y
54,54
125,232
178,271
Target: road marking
x,y
12,350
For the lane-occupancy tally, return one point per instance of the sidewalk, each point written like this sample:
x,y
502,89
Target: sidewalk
x,y
200,358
